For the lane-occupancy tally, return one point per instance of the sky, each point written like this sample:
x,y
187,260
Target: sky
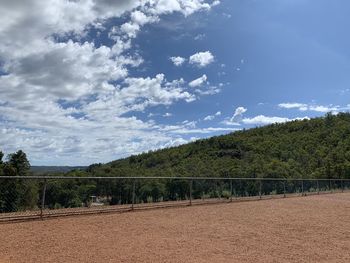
x,y
88,81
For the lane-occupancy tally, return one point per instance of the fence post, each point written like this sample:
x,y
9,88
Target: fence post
x,y
42,207
231,190
342,186
133,194
318,188
330,185
260,192
302,187
284,188
191,192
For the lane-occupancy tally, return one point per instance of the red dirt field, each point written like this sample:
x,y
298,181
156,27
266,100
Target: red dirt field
x,y
300,229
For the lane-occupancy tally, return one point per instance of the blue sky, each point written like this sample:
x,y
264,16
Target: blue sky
x,y
92,81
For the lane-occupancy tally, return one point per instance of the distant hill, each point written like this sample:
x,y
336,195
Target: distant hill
x,y
319,147
55,169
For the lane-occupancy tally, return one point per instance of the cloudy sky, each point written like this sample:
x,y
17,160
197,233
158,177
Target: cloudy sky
x,y
85,81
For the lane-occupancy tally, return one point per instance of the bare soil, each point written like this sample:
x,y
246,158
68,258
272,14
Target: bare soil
x,y
301,229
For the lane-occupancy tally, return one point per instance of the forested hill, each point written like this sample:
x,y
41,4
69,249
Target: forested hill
x,y
318,147
54,169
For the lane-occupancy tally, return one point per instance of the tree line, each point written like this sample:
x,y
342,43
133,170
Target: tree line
x,y
316,148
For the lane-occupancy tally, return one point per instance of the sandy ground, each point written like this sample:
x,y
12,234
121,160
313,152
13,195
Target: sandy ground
x,y
300,229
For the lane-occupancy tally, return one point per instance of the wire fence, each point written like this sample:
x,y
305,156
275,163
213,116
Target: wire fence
x,y
32,197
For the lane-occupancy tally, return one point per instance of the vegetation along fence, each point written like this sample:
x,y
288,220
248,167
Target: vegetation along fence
x,y
30,197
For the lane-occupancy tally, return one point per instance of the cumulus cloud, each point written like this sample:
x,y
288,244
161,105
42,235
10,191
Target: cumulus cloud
x,y
63,71
198,82
136,94
264,120
215,3
177,61
183,129
236,117
141,19
312,107
212,117
56,86
288,105
186,7
212,90
201,59
324,109
238,113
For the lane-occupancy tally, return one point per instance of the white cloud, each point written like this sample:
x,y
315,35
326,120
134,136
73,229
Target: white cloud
x,y
138,19
215,3
324,109
236,117
209,118
212,117
63,71
199,37
60,100
299,106
186,7
238,114
212,90
312,107
141,19
177,61
198,82
179,129
137,94
130,29
201,59
264,120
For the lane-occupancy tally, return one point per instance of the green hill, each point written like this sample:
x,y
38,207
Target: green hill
x,y
318,148
54,169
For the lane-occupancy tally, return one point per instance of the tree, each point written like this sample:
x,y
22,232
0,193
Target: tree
x,y
20,162
1,156
17,194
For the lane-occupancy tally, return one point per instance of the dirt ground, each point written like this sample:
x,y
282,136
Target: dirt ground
x,y
300,229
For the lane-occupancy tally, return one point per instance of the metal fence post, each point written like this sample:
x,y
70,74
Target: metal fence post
x,y
260,189
330,185
133,194
342,186
318,188
231,190
302,187
191,192
284,188
42,207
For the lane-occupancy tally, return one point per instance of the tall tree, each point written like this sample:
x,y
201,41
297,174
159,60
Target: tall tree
x,y
1,156
19,161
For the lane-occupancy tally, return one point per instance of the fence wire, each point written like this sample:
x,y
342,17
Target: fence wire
x,y
32,197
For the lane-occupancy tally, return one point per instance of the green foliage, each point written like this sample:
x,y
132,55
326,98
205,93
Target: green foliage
x,y
16,194
226,194
20,162
316,148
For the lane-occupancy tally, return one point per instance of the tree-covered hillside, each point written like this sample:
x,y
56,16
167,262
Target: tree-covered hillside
x,y
317,148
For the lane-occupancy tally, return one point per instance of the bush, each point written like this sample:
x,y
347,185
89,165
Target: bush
x,y
226,194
